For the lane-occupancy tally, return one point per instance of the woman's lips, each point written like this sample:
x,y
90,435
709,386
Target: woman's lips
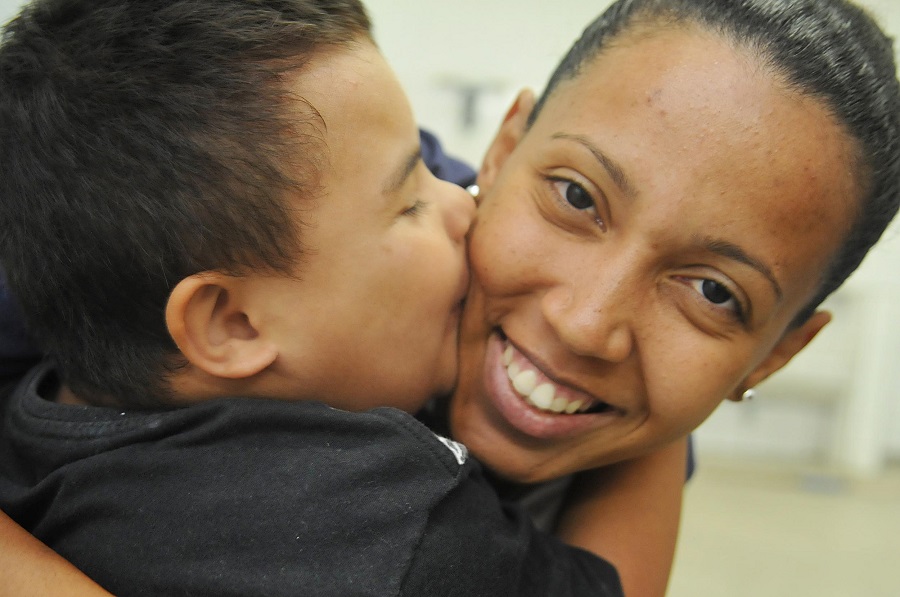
x,y
543,393
533,403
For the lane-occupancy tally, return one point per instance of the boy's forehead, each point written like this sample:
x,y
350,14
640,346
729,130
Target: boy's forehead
x,y
363,119
350,90
346,78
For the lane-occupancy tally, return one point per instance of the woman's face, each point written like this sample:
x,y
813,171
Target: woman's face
x,y
640,252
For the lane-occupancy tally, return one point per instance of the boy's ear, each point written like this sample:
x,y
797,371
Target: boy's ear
x,y
790,344
514,126
211,321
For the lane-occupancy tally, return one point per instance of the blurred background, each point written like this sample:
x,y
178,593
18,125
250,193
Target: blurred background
x,y
797,492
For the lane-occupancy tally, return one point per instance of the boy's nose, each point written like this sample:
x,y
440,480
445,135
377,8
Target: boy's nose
x,y
459,211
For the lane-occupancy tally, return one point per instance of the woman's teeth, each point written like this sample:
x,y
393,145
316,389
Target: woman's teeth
x,y
542,396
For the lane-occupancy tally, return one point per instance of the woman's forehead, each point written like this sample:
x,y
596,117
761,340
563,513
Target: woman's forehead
x,y
705,109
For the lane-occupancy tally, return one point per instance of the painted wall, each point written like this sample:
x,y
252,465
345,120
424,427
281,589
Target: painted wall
x,y
8,8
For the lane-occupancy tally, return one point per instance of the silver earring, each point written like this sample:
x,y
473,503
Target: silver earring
x,y
748,395
474,190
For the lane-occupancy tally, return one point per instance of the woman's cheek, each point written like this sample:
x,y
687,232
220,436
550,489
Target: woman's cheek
x,y
487,250
505,248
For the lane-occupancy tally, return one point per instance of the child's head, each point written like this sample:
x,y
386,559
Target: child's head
x,y
240,174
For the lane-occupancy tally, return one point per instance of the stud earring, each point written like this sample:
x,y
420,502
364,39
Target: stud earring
x,y
474,190
748,395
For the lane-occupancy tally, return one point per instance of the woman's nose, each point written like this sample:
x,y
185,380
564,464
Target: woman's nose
x,y
592,318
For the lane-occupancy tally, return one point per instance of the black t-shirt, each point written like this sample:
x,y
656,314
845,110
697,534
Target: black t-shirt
x,y
257,497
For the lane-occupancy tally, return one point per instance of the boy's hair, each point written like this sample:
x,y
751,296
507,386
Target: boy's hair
x,y
828,49
144,141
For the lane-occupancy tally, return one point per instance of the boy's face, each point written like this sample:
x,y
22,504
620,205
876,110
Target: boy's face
x,y
372,316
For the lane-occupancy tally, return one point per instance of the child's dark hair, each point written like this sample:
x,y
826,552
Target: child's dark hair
x,y
827,49
144,141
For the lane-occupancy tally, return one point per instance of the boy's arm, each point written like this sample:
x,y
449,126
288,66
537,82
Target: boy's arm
x,y
473,545
442,165
629,514
30,568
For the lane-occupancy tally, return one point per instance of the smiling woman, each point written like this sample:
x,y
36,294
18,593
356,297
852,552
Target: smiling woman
x,y
655,234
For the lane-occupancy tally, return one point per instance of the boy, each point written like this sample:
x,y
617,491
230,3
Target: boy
x,y
206,199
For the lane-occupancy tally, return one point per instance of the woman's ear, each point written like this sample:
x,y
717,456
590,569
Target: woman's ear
x,y
514,126
210,319
790,344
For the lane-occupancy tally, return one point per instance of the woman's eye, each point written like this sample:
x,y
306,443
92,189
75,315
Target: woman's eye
x,y
717,294
574,194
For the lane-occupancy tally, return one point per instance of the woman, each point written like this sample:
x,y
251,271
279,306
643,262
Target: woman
x,y
656,233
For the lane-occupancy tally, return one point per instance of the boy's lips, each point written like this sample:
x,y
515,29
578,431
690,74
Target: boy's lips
x,y
532,401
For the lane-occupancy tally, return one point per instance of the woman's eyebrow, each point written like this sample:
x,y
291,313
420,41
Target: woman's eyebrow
x,y
732,251
610,165
398,178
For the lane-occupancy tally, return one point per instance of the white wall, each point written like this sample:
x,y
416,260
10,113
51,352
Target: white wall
x,y
8,8
881,272
498,44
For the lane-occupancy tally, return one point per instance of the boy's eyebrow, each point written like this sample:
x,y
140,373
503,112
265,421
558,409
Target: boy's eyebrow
x,y
403,172
615,170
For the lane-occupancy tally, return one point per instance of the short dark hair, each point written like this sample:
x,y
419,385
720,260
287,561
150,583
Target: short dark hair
x,y
141,142
827,49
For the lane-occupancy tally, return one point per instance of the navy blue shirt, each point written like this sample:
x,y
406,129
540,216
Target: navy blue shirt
x,y
442,165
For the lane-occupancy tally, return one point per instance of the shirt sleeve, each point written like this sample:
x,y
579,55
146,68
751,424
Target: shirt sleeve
x,y
443,166
473,545
691,459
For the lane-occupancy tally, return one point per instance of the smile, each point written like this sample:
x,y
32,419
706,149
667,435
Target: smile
x,y
542,393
